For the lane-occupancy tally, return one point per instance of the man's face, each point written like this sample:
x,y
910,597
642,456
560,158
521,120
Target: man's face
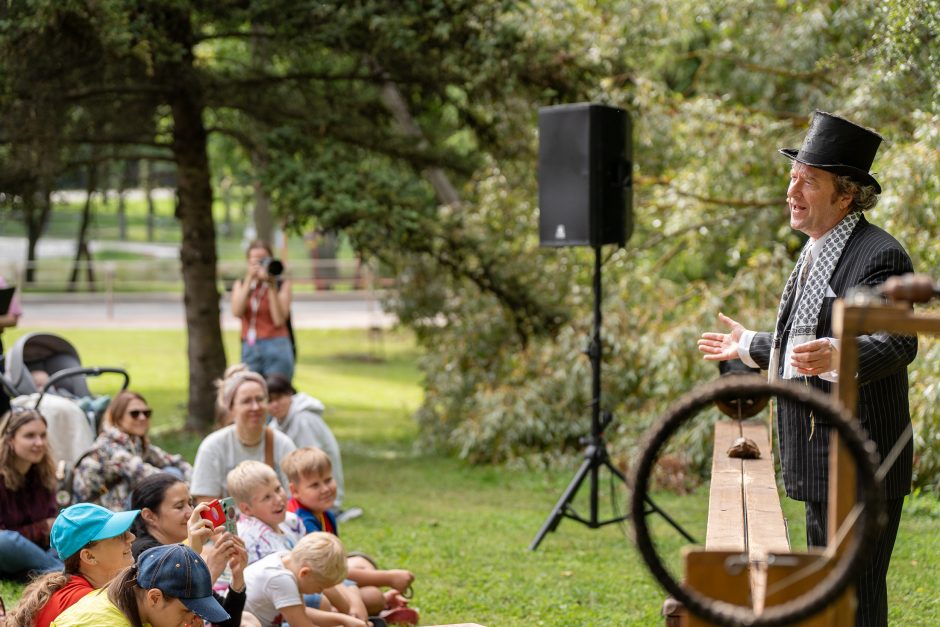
x,y
811,197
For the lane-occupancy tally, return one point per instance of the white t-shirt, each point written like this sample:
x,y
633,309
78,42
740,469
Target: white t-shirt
x,y
221,451
261,540
269,587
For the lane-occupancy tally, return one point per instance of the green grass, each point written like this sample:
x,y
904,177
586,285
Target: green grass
x,y
465,530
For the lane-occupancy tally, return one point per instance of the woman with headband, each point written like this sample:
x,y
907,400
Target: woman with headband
x,y
243,394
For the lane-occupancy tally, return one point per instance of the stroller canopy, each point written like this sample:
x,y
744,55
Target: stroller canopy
x,y
48,352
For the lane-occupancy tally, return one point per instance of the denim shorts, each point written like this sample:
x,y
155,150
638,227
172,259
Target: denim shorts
x,y
269,356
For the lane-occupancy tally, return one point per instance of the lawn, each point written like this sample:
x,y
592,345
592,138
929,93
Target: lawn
x,y
464,530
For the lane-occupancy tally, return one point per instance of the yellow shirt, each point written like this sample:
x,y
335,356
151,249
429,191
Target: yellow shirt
x,y
94,609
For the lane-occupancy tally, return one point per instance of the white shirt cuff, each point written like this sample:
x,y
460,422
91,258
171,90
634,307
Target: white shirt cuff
x,y
833,375
744,348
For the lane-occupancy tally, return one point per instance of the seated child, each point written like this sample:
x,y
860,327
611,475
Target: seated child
x,y
309,473
264,522
275,583
266,527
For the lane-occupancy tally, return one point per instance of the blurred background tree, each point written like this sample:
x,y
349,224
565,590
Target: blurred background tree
x,y
410,128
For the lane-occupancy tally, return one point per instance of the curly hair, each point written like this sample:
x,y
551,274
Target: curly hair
x,y
13,421
864,197
40,590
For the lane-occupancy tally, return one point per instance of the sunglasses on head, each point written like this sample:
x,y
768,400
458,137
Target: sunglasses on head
x,y
140,413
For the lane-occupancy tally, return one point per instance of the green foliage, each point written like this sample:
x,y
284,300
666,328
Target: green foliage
x,y
714,89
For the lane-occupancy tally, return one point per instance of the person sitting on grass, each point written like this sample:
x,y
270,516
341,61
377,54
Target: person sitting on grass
x,y
169,586
243,396
95,544
277,582
122,455
312,489
267,527
264,522
27,494
167,516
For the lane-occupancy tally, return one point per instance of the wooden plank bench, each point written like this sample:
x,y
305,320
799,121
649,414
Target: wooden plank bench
x,y
744,519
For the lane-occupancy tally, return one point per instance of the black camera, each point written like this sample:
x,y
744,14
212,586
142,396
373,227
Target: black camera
x,y
272,266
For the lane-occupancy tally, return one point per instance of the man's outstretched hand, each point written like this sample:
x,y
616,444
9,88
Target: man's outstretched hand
x,y
722,346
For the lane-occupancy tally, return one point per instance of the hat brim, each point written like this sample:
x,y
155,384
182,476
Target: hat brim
x,y
116,525
845,170
207,608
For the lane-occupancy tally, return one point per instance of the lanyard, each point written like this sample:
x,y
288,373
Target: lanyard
x,y
255,303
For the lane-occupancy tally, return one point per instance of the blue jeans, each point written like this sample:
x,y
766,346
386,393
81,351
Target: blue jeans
x,y
19,556
269,356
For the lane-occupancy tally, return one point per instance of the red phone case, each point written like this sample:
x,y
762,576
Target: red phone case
x,y
215,514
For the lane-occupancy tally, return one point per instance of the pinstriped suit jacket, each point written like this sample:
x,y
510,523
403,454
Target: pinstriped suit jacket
x,y
870,256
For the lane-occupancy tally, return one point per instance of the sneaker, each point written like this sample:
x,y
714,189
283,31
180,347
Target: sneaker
x,y
349,514
400,616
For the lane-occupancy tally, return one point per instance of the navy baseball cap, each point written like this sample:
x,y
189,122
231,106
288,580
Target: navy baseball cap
x,y
179,572
82,523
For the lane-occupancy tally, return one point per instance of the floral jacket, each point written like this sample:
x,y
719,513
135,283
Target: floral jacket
x,y
117,461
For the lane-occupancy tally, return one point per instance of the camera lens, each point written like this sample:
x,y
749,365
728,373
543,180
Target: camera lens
x,y
272,266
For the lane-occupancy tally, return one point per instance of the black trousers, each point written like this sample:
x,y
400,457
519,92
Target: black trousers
x,y
871,585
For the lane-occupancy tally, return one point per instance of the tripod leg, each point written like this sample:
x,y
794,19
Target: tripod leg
x,y
653,507
551,523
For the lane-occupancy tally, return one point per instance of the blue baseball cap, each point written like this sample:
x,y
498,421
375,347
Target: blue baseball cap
x,y
82,523
179,572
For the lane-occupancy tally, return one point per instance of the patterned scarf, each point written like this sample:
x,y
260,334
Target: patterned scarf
x,y
813,293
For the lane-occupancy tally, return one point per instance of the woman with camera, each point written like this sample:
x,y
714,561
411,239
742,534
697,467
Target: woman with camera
x,y
262,301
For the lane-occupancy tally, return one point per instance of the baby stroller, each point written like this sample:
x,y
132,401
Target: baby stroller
x,y
65,401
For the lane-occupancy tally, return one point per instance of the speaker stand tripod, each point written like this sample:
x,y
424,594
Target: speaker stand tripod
x,y
596,456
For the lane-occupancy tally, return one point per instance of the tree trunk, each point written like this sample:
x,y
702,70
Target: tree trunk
x,y
264,223
197,254
81,243
37,204
225,186
146,176
123,180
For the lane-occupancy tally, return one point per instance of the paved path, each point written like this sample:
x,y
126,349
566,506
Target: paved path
x,y
341,310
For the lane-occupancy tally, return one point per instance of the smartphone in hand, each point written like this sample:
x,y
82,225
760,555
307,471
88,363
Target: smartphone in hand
x,y
222,513
231,515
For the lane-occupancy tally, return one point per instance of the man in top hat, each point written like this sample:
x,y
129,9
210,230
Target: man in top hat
x,y
830,188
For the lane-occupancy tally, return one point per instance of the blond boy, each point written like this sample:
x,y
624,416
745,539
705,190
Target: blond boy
x,y
264,522
310,480
275,584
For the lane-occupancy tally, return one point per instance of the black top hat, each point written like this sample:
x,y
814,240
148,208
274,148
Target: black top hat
x,y
837,145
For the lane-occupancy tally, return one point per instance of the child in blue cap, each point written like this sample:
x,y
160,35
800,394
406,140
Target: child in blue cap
x,y
169,586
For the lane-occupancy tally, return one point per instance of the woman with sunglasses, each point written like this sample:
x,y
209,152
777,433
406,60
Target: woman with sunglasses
x,y
27,495
95,544
123,455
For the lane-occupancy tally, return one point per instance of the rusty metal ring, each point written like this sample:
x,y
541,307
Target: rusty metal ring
x,y
868,523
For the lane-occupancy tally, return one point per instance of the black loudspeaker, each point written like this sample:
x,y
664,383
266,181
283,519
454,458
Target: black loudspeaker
x,y
585,182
